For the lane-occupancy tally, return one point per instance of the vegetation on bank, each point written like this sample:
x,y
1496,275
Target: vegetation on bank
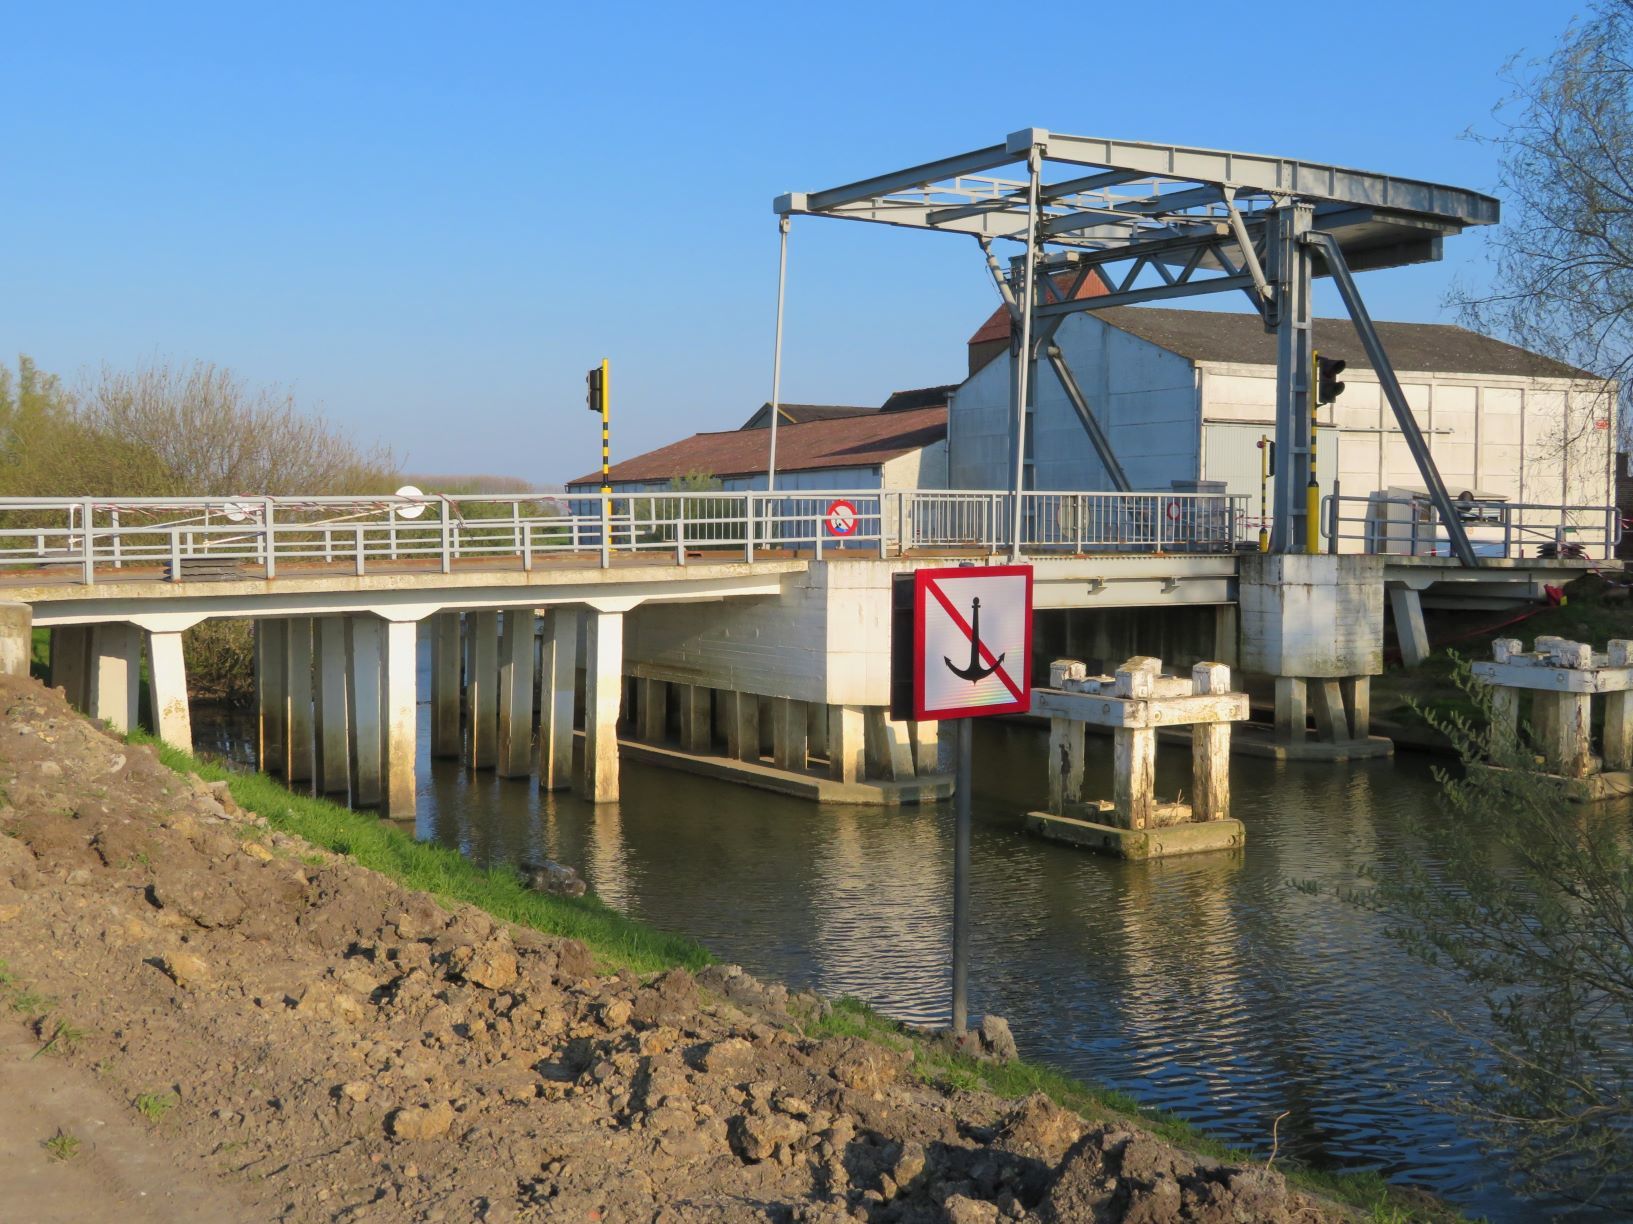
x,y
619,941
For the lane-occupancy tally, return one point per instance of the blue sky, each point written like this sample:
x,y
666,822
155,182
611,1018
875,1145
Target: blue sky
x,y
430,220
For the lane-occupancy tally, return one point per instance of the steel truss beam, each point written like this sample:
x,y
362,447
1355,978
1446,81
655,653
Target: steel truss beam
x,y
1179,222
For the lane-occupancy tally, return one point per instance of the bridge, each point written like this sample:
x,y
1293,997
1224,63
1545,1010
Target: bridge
x,y
737,626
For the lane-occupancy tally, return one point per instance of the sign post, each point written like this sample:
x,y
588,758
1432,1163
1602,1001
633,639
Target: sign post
x,y
970,658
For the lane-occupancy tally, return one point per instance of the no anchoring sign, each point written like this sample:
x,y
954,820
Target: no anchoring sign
x,y
972,641
841,518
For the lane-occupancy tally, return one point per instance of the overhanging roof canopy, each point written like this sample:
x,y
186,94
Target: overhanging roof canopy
x,y
1165,204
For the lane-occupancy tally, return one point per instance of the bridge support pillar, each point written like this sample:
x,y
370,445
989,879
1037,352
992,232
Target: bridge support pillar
x,y
847,743
1067,744
516,695
271,681
816,729
1292,710
788,744
696,730
298,757
365,702
115,674
1357,691
482,689
71,664
400,672
925,739
654,710
334,745
16,638
603,687
742,725
1406,607
445,672
556,702
889,753
172,721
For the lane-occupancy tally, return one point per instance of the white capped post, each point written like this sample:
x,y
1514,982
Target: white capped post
x,y
1034,164
776,353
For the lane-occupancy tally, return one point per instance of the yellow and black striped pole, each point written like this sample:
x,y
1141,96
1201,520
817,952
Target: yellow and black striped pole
x,y
1312,490
601,401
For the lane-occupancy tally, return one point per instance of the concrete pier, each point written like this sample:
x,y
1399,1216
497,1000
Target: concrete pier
x,y
481,690
1134,703
299,747
847,743
71,663
446,669
333,742
1562,678
365,706
560,666
400,675
271,708
603,689
116,669
172,720
16,638
515,748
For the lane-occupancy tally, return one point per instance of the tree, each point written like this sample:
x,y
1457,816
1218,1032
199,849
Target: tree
x,y
1529,898
203,432
1562,261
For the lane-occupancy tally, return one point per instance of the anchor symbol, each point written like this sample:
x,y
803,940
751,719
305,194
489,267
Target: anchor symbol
x,y
974,671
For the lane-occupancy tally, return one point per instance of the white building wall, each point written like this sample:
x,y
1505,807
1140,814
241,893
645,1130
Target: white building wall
x,y
1526,439
1145,398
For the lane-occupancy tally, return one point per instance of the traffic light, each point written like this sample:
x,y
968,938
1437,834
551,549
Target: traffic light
x,y
597,381
1328,388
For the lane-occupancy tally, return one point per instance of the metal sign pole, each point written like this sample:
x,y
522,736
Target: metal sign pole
x,y
961,877
776,354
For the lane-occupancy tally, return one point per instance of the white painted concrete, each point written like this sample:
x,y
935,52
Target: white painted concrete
x,y
116,651
365,706
603,687
515,755
556,702
333,742
400,668
168,677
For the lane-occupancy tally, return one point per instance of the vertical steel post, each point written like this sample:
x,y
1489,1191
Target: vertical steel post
x,y
1022,384
961,875
776,353
1290,269
606,423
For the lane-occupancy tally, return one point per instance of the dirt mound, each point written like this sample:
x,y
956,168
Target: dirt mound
x,y
341,1048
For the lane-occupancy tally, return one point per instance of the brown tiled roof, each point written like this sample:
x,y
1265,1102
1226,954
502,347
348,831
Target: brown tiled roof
x,y
798,414
1234,336
858,441
997,325
919,397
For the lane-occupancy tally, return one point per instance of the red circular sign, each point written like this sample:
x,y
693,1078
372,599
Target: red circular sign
x,y
1174,511
841,518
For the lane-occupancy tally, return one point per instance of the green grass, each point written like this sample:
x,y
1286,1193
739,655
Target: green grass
x,y
62,1146
620,941
445,873
155,1105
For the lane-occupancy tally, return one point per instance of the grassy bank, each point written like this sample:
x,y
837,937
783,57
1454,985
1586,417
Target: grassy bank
x,y
621,941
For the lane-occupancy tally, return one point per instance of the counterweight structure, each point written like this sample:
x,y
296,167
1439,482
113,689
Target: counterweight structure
x,y
1154,222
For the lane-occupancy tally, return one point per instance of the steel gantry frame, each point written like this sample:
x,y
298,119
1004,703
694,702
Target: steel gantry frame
x,y
1155,222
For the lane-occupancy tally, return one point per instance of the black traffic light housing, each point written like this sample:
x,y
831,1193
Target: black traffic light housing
x,y
1328,388
597,395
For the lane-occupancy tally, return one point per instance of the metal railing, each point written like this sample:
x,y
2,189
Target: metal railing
x,y
1409,526
97,539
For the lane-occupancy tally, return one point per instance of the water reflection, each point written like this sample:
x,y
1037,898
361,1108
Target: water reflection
x,y
1207,985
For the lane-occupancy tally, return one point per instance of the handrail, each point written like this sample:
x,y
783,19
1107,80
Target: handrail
x,y
83,539
1377,524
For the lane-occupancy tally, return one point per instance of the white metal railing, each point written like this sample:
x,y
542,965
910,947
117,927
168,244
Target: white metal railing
x,y
1409,526
92,539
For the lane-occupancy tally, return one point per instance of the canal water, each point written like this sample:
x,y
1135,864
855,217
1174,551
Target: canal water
x,y
1210,986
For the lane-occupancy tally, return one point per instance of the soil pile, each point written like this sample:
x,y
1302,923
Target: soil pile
x,y
338,1047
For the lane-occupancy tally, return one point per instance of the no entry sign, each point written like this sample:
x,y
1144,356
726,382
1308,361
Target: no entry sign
x,y
972,641
841,518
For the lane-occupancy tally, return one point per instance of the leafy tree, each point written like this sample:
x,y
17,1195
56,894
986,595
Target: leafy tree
x,y
1529,897
1562,261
